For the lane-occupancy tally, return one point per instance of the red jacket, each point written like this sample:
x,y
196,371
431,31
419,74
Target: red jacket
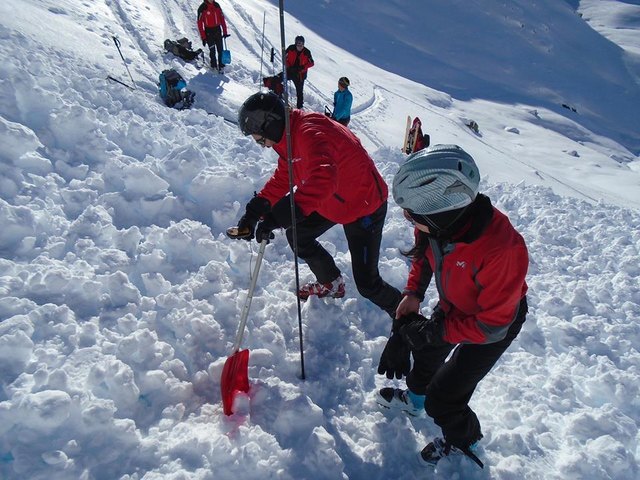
x,y
302,59
210,16
332,171
482,281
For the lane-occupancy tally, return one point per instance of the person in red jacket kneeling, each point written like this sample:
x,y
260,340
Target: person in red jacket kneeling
x,y
479,263
336,183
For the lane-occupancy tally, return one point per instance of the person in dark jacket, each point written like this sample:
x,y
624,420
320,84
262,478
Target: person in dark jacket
x,y
213,28
342,100
298,60
336,183
479,263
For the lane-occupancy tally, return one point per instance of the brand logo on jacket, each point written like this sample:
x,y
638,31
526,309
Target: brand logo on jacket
x,y
461,264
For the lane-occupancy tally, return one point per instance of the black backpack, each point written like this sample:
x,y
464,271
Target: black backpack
x,y
173,90
181,48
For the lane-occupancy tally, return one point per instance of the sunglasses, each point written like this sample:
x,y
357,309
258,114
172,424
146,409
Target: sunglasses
x,y
415,218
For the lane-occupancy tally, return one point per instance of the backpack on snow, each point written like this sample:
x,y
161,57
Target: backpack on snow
x,y
274,84
181,48
173,90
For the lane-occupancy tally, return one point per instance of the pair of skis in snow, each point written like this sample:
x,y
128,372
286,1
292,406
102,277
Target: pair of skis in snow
x,y
414,139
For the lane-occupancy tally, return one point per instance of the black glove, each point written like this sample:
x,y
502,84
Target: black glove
x,y
418,331
265,229
204,42
281,212
226,35
256,208
396,358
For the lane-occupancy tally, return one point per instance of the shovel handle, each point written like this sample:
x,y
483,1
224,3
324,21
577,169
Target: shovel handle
x,y
247,302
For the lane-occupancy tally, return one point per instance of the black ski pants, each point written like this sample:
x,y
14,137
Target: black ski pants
x,y
449,385
299,84
214,41
364,237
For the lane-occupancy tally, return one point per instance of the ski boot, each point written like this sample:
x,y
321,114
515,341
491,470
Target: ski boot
x,y
333,289
440,448
404,400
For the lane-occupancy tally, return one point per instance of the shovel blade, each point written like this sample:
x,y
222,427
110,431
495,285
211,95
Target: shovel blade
x,y
235,378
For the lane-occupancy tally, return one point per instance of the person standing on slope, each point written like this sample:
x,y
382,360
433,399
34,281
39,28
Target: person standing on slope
x,y
479,263
336,183
298,60
342,100
213,28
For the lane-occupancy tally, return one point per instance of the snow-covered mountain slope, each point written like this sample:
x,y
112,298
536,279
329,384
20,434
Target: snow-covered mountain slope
x,y
120,294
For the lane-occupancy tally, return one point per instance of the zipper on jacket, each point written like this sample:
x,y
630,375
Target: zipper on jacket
x,y
439,251
375,179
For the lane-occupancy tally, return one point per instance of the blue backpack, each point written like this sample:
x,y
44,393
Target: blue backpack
x,y
173,90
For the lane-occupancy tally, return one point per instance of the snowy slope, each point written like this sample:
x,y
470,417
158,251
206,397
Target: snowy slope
x,y
120,293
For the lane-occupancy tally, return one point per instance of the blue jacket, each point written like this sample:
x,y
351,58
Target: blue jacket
x,y
342,101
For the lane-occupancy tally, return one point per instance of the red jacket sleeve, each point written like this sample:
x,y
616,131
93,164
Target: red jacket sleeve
x,y
497,300
223,22
319,172
420,275
307,62
201,10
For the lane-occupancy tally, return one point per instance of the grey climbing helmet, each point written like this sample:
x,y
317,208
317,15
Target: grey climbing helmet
x,y
435,180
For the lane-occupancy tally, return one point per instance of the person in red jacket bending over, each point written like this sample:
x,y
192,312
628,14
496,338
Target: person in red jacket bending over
x,y
479,263
336,183
213,28
298,61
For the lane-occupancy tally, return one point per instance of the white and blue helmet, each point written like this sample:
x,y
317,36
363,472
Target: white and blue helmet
x,y
436,180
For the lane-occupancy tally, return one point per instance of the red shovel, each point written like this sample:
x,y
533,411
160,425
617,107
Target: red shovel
x,y
235,374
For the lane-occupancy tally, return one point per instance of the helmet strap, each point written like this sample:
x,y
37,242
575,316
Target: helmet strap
x,y
438,231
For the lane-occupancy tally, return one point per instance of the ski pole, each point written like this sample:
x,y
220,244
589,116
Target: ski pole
x,y
109,77
273,55
264,20
117,42
287,126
